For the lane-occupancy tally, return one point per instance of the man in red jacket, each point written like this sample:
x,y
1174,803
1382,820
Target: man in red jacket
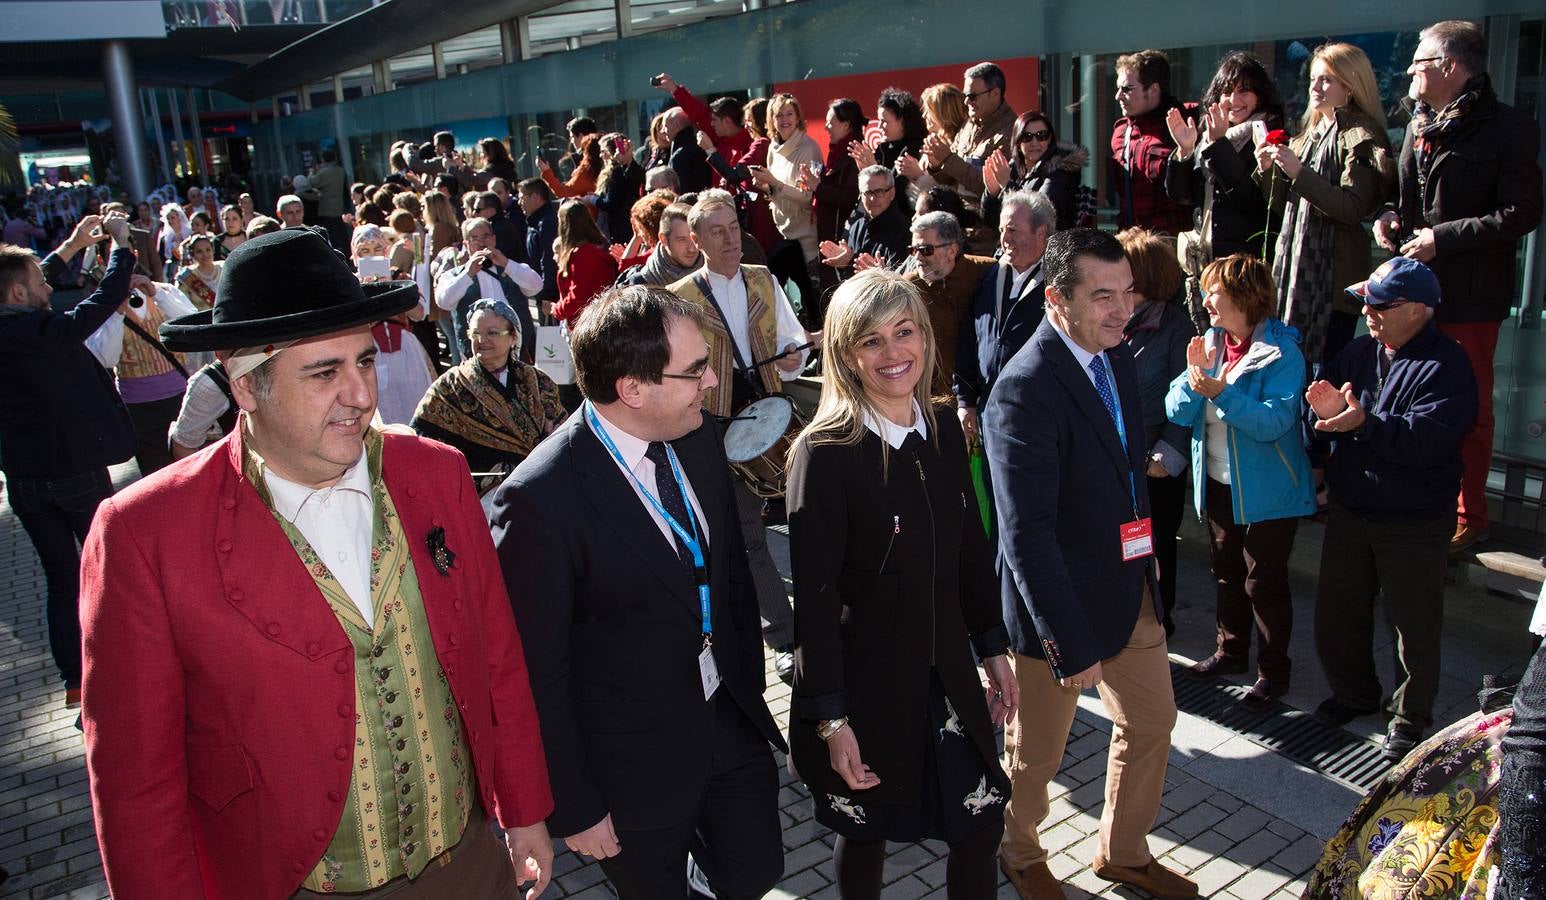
x,y
720,120
302,673
1140,144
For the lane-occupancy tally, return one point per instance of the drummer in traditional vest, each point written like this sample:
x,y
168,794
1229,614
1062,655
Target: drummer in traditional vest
x,y
753,334
755,344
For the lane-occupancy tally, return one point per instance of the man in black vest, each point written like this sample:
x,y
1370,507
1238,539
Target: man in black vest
x,y
62,422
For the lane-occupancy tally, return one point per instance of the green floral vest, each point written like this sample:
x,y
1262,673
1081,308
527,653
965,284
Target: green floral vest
x,y
412,785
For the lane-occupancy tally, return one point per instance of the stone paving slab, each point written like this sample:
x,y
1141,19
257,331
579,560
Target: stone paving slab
x,y
1234,848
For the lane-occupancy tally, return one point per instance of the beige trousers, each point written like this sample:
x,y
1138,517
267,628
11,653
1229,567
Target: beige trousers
x,y
1135,688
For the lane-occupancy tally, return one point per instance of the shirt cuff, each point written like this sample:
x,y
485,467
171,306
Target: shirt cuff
x,y
823,706
993,642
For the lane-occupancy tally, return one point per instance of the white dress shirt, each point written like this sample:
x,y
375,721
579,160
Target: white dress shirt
x,y
452,286
1084,356
632,450
338,522
895,434
730,294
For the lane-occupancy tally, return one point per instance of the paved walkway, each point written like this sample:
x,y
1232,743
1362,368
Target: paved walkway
x,y
1242,821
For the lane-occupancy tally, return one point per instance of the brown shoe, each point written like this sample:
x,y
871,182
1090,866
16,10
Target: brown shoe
x,y
1214,666
1465,537
1154,878
72,698
1033,882
1264,694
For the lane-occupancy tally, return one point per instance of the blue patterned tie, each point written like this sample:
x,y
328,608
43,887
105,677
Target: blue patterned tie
x,y
1103,386
670,496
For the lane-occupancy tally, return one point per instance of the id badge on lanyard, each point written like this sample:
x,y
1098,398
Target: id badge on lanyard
x,y
1136,538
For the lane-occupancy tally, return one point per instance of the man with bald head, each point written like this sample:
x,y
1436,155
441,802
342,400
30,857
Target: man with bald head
x,y
687,160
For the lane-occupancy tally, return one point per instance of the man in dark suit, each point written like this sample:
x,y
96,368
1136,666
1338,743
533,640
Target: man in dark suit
x,y
541,213
1007,305
620,541
1064,438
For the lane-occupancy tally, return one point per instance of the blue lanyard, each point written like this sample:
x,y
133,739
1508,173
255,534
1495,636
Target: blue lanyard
x,y
1132,482
694,545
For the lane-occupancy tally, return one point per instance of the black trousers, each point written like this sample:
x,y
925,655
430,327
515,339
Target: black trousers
x,y
787,263
151,423
1522,793
57,514
734,834
772,599
1250,564
1167,499
1406,560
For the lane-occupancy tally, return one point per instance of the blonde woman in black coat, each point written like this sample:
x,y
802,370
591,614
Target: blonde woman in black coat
x,y
894,590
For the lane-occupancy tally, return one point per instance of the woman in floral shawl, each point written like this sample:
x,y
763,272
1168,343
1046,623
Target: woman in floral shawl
x,y
493,407
1430,829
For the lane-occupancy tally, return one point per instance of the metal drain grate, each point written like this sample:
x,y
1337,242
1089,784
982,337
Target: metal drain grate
x,y
1293,733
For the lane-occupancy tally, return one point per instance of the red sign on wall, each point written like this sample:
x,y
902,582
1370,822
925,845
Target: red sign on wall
x,y
1021,75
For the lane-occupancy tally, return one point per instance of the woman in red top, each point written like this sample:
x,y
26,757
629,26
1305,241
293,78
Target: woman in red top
x,y
585,268
583,180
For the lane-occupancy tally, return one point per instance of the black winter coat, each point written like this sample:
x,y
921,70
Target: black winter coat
x,y
1482,194
1240,221
891,578
60,413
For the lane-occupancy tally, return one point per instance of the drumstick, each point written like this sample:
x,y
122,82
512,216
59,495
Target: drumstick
x,y
735,418
775,358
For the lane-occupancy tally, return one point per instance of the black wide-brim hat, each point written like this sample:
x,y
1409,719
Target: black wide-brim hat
x,y
286,286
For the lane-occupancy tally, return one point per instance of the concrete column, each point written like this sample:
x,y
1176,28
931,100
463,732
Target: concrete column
x,y
128,127
338,89
155,126
181,159
624,10
1089,90
572,42
437,55
198,139
381,74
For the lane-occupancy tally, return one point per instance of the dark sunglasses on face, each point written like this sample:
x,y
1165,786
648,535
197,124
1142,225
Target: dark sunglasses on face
x,y
1042,135
971,96
924,249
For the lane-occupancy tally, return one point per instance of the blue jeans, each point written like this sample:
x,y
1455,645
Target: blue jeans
x,y
57,514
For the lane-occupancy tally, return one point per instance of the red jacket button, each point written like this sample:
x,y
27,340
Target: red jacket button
x,y
341,667
313,648
412,491
224,546
335,797
236,595
456,604
341,753
228,503
298,867
319,834
344,711
273,628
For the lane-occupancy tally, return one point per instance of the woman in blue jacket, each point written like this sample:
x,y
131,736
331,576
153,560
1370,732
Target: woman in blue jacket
x,y
1240,395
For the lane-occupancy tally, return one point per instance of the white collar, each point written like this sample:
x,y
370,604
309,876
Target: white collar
x,y
1082,355
716,278
632,449
895,434
290,497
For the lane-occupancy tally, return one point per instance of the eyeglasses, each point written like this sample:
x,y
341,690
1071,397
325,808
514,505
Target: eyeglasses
x,y
1426,62
1042,135
490,335
684,376
925,249
871,195
971,96
1387,307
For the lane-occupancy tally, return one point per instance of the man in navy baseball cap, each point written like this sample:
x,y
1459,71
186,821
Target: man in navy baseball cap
x,y
1399,279
1385,419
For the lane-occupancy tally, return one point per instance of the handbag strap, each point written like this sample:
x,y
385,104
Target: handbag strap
x,y
156,344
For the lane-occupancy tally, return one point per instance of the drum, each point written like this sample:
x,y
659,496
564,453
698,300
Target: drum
x,y
758,441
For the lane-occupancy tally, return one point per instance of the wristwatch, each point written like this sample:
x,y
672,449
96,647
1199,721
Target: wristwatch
x,y
826,728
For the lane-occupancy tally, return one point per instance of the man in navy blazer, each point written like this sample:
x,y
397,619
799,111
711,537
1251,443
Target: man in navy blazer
x,y
650,754
1064,437
1007,306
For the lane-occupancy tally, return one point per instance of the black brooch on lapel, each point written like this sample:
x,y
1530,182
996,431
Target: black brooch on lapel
x,y
439,553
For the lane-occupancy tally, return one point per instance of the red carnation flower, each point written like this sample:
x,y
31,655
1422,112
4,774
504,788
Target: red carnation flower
x,y
1277,137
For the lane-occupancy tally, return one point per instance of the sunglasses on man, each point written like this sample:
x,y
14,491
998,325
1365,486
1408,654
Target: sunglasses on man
x,y
925,249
